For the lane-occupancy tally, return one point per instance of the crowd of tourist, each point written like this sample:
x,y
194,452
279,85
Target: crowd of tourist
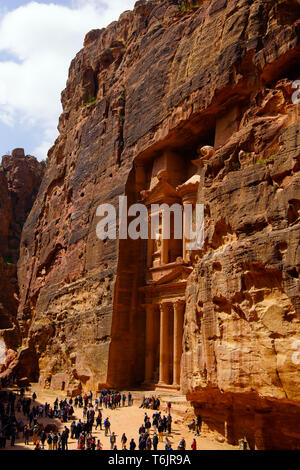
x,y
26,423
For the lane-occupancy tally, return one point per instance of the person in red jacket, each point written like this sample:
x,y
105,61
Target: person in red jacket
x,y
194,445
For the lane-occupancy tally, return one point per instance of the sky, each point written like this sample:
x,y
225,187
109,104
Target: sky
x,y
38,40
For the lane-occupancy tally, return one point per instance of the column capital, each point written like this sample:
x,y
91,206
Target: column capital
x,y
179,303
164,306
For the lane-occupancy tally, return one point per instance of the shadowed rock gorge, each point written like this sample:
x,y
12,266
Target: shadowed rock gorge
x,y
20,178
170,83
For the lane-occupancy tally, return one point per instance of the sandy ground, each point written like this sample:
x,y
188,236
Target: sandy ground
x,y
128,420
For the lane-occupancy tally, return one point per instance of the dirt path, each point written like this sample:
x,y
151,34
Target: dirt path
x,y
128,420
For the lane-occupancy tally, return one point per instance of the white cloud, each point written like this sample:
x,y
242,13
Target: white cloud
x,y
41,40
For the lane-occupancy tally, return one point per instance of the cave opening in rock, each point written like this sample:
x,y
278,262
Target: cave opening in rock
x,y
5,322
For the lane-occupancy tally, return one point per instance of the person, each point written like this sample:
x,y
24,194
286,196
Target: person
x,y
34,396
50,441
35,434
142,429
148,443
55,441
43,437
123,440
64,439
147,425
107,426
99,445
73,430
13,436
169,424
192,425
142,442
160,429
2,440
130,401
81,442
112,441
143,402
194,445
155,441
167,443
198,425
31,417
99,420
182,444
93,444
132,445
155,422
243,444
26,433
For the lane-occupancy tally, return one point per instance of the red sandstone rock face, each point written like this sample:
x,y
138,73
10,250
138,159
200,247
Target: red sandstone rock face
x,y
165,79
8,302
23,175
20,178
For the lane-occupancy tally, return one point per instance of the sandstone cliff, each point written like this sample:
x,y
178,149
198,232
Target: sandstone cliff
x,y
20,178
168,79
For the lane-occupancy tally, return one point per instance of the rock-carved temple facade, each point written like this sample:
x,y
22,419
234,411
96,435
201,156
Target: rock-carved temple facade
x,y
163,265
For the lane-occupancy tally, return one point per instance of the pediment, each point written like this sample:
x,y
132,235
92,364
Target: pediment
x,y
160,193
169,274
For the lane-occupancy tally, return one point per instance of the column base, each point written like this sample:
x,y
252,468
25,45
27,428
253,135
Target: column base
x,y
164,386
148,386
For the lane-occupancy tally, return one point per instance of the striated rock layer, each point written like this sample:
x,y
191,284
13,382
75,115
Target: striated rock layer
x,y
165,81
20,178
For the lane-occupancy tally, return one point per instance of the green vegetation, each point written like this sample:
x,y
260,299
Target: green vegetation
x,y
265,160
43,321
122,97
90,101
8,261
235,166
184,7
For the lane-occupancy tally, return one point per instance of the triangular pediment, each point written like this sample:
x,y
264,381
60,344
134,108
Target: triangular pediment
x,y
169,274
161,193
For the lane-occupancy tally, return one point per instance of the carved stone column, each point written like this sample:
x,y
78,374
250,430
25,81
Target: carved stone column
x,y
150,244
165,251
178,335
164,335
188,194
149,357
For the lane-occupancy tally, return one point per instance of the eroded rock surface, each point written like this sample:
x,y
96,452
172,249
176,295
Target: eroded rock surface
x,y
20,178
164,81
